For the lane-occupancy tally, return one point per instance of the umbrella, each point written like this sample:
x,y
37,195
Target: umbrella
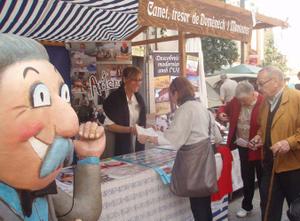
x,y
243,69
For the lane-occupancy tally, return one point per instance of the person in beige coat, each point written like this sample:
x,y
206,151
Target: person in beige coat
x,y
280,136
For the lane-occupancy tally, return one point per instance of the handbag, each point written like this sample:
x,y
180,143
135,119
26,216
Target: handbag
x,y
194,170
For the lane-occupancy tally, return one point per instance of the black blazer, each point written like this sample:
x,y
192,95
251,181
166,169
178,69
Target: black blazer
x,y
116,108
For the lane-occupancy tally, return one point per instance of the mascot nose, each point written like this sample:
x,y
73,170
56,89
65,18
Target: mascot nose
x,y
65,118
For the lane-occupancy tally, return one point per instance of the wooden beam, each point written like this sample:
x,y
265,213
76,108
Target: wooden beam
x,y
164,39
52,43
219,16
269,22
182,54
136,33
262,26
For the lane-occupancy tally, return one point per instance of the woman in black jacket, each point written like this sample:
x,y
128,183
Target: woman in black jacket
x,y
124,108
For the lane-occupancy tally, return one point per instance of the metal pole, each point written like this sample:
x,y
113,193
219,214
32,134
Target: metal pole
x,y
242,5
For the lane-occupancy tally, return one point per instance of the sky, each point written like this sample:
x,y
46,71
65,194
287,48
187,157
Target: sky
x,y
286,40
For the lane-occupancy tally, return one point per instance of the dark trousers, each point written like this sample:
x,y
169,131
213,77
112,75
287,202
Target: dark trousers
x,y
248,169
201,208
286,185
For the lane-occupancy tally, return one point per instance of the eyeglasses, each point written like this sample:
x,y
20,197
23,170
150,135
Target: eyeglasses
x,y
261,84
137,80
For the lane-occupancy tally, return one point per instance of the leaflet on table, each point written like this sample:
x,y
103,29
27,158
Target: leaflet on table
x,y
111,169
153,157
159,159
165,172
115,169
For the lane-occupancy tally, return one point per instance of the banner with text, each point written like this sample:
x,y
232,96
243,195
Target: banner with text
x,y
166,68
199,17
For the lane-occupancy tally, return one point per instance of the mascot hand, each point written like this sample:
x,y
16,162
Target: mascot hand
x,y
91,141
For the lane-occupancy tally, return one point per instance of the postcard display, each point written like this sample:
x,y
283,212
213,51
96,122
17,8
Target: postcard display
x,y
166,68
96,70
132,190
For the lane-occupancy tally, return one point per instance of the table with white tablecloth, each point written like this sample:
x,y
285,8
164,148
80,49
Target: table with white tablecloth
x,y
136,192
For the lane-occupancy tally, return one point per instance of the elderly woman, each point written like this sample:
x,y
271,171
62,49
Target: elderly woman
x,y
190,126
242,114
125,108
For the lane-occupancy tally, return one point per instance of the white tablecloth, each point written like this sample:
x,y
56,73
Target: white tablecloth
x,y
144,197
136,193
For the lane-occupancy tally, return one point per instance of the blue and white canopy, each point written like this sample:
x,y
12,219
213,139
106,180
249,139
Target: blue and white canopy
x,y
69,20
80,20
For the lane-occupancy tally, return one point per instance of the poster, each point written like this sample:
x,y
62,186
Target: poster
x,y
114,52
96,71
162,81
167,68
83,65
166,63
162,108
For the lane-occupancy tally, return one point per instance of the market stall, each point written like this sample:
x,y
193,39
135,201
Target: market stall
x,y
130,190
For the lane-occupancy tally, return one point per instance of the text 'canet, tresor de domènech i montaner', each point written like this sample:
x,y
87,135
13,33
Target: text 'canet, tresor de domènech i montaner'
x,y
196,19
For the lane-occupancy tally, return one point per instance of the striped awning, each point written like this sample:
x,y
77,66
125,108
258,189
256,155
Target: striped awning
x,y
81,20
69,20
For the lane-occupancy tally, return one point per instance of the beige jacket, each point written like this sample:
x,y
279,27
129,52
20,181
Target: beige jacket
x,y
285,126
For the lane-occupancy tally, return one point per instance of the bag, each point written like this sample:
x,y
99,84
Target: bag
x,y
194,170
237,181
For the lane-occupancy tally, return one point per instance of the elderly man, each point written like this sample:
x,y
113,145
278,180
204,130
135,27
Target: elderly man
x,y
37,124
280,135
227,89
242,114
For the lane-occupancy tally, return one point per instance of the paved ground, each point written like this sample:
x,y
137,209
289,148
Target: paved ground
x,y
235,204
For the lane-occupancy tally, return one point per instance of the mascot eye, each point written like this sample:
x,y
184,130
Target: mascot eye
x,y
65,93
40,95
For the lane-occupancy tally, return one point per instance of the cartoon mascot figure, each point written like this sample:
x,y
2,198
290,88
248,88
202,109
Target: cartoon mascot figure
x,y
37,123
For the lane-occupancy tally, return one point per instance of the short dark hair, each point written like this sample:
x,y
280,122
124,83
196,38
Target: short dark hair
x,y
183,87
16,48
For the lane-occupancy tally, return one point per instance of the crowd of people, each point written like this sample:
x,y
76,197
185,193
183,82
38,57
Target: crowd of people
x,y
264,126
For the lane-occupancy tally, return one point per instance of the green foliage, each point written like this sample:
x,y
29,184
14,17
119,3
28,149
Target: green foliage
x,y
272,55
218,52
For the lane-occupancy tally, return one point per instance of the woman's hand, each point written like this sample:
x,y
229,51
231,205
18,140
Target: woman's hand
x,y
255,142
154,127
143,139
133,130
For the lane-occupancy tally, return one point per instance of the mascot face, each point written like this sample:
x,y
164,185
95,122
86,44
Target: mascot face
x,y
36,120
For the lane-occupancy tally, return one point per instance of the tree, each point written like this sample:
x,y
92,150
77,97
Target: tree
x,y
272,55
218,52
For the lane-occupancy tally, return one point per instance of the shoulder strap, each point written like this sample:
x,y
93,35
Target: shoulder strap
x,y
209,124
